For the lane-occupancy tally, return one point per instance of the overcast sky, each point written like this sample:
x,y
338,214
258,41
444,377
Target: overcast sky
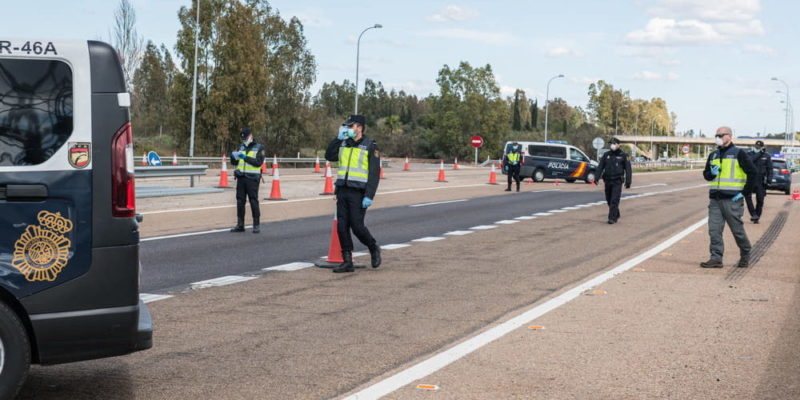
x,y
711,60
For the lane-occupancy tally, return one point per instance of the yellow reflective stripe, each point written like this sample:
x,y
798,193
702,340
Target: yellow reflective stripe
x,y
513,157
731,175
353,163
243,166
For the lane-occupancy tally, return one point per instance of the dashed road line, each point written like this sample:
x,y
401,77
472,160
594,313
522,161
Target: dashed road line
x,y
459,233
221,281
438,202
542,214
149,298
428,239
290,266
557,211
506,222
483,227
394,246
525,217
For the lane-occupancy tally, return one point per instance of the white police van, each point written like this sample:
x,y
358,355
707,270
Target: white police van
x,y
546,160
69,237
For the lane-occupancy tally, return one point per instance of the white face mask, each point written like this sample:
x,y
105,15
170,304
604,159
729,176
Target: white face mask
x,y
614,147
718,141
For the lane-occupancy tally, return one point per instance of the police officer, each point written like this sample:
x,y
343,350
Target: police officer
x,y
615,170
356,185
729,172
511,162
247,162
763,163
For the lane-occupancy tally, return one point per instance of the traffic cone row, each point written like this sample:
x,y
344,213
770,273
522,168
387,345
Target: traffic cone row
x,y
406,167
441,172
223,173
328,189
275,193
493,176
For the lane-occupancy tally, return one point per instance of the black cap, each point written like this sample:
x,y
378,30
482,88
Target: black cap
x,y
759,143
245,133
614,141
356,119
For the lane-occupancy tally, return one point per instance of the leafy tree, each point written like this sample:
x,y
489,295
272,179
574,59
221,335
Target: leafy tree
x,y
126,39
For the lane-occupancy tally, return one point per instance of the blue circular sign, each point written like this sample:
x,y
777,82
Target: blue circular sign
x,y
153,158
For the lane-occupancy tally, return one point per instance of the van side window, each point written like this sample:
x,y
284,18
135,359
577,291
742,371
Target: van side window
x,y
576,155
557,152
35,110
537,151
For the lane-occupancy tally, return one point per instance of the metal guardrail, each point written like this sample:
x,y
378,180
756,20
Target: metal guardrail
x,y
162,171
293,161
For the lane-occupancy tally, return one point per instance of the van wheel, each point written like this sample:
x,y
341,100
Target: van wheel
x,y
590,177
538,175
570,180
15,353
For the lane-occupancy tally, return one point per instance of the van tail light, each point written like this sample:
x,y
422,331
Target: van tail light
x,y
123,194
784,171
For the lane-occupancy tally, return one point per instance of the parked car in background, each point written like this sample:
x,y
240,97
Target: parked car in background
x,y
781,176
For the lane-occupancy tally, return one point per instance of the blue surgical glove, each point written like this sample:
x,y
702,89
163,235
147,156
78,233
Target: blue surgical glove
x,y
342,133
715,170
241,155
737,197
366,202
234,155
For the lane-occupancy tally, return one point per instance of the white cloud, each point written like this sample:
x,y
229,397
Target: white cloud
x,y
582,80
313,17
725,10
655,76
758,49
417,87
507,91
666,32
453,13
486,37
562,51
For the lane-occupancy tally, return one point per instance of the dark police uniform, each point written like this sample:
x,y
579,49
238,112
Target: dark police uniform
x,y
763,164
615,170
248,177
357,177
512,162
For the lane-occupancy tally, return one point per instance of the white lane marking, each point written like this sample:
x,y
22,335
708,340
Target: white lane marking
x,y
221,281
650,185
437,203
542,214
178,235
583,205
149,298
268,203
394,246
459,233
557,211
506,222
525,218
428,239
289,267
483,227
468,346
569,208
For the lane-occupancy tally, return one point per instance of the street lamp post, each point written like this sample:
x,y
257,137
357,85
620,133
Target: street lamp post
x,y
787,108
358,53
547,104
194,89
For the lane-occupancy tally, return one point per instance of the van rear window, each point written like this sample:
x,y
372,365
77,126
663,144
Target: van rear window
x,y
35,110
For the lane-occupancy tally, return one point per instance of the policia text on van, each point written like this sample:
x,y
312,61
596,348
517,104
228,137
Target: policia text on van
x,y
69,238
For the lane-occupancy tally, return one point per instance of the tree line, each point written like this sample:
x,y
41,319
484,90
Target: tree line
x,y
254,68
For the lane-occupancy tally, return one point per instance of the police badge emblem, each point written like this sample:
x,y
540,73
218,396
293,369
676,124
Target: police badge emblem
x,y
79,154
42,251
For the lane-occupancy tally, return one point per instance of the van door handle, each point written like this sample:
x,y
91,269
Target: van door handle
x,y
23,192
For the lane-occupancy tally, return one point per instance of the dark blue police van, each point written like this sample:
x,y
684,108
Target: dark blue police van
x,y
547,160
69,236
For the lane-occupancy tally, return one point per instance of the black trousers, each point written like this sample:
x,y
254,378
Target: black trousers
x,y
247,188
760,191
350,216
513,171
613,194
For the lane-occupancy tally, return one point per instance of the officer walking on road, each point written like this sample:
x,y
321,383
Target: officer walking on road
x,y
356,185
511,162
729,172
615,170
763,163
247,162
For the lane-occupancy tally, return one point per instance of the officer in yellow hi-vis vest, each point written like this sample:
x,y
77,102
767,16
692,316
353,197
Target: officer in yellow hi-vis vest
x,y
247,162
356,185
511,162
729,172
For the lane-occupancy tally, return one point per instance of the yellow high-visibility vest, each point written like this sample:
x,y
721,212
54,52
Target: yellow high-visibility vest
x,y
513,157
354,164
244,166
731,178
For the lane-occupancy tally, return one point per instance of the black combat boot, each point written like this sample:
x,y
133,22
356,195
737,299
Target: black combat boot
x,y
256,228
375,254
237,228
347,265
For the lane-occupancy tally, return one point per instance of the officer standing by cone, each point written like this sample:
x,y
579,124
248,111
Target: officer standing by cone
x,y
729,172
763,164
356,185
247,162
615,170
511,162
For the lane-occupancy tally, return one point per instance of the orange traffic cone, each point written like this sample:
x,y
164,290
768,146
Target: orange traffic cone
x,y
455,165
223,173
316,166
328,189
144,158
380,176
274,164
174,158
406,167
796,195
264,167
555,182
275,193
493,176
327,165
334,248
441,172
